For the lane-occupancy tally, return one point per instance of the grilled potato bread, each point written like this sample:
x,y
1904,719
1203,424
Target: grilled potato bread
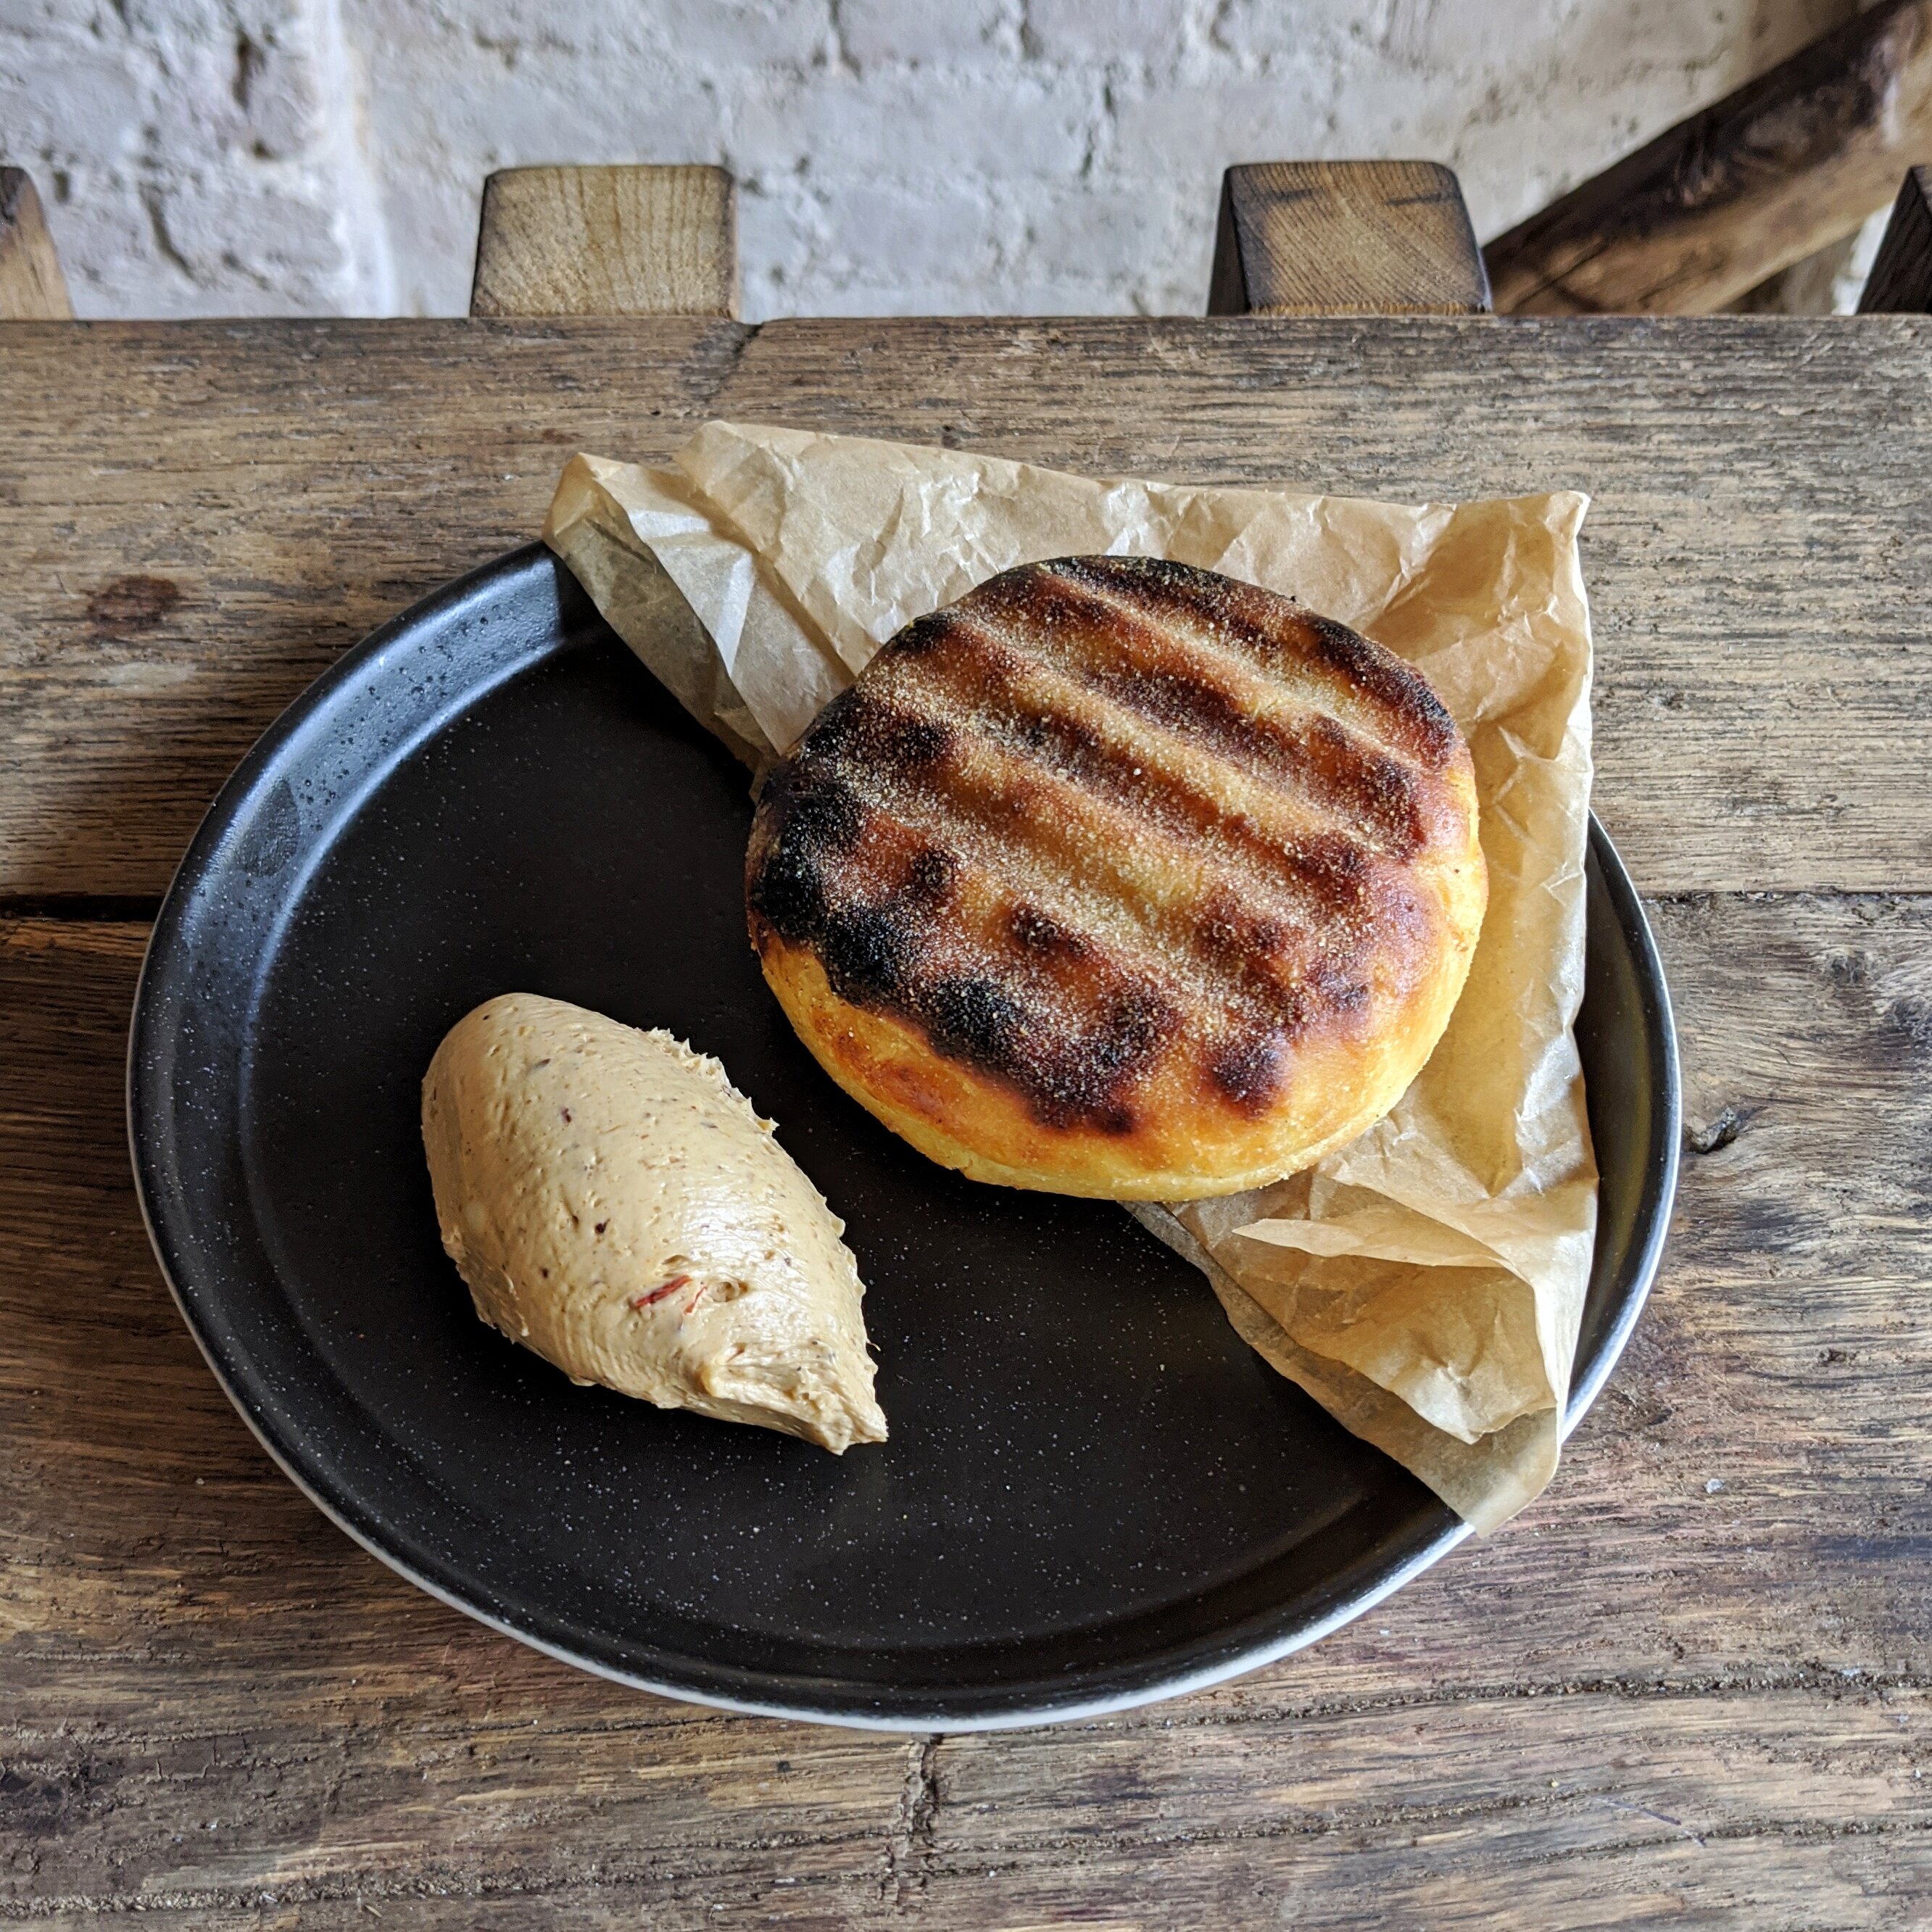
x,y
1121,878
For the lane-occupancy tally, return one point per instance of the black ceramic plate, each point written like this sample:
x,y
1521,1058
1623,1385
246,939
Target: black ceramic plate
x,y
1094,1494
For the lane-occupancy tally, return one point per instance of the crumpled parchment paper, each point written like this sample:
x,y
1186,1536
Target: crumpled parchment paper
x,y
1425,1283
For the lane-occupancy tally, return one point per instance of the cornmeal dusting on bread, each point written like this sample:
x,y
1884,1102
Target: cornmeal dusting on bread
x,y
1119,876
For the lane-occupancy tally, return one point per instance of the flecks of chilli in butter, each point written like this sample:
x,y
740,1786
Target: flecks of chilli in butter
x,y
655,1295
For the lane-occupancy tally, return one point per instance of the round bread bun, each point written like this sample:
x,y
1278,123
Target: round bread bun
x,y
1120,878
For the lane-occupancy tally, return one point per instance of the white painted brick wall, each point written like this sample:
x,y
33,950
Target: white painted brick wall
x,y
225,156
197,156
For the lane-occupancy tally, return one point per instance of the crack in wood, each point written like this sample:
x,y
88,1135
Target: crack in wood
x,y
909,1852
1645,1811
1719,1132
1087,1848
92,908
1820,1680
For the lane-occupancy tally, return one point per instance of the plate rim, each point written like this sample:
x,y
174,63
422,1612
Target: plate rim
x,y
1654,1213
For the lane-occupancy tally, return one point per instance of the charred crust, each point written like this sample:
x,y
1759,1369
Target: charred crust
x,y
868,954
1335,870
1247,1071
802,803
1340,988
1072,1080
1176,582
1034,931
975,1019
1231,936
801,822
931,878
921,635
828,735
1343,769
1073,747
1426,727
1338,768
916,742
1138,1022
1274,626
859,727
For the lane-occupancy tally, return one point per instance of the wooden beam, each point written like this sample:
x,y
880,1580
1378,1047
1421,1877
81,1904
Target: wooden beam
x,y
32,288
1344,237
1769,174
608,241
1900,281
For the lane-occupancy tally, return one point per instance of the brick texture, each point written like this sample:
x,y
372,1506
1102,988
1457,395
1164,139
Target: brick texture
x,y
223,157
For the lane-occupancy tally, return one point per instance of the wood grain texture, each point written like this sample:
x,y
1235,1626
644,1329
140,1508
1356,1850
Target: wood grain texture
x,y
1900,281
202,516
608,241
32,286
1344,237
1692,1685
1698,216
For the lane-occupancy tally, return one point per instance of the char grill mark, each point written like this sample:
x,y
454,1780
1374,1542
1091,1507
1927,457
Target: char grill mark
x,y
1038,932
1076,1078
856,730
998,984
1417,712
1208,697
1026,762
815,818
866,896
1369,788
1065,1019
1030,818
1247,1069
1022,710
1236,613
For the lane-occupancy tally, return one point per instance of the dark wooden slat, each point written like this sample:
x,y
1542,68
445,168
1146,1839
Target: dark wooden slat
x,y
1700,216
1900,281
1695,1679
608,241
32,288
1345,237
201,518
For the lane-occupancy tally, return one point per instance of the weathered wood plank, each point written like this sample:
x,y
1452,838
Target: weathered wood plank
x,y
1900,281
608,241
1701,215
1583,1809
32,287
302,487
1694,1680
1345,237
202,517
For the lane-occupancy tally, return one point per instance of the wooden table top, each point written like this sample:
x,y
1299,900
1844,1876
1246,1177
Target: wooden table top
x,y
1692,1684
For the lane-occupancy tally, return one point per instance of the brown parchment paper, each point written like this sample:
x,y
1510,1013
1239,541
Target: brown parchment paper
x,y
1424,1284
